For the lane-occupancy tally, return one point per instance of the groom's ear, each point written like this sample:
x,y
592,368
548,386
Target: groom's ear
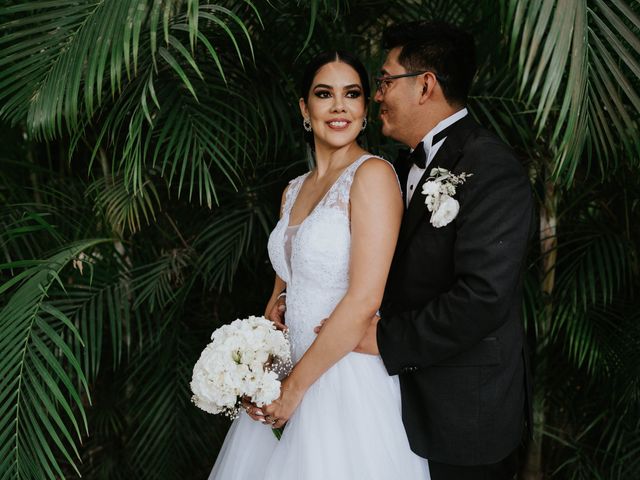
x,y
428,82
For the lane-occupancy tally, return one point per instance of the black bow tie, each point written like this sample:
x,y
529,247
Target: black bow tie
x,y
419,155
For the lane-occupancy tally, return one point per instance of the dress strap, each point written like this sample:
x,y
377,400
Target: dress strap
x,y
292,193
338,196
353,168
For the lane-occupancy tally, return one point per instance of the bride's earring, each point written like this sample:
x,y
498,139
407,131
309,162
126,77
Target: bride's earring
x,y
306,123
364,124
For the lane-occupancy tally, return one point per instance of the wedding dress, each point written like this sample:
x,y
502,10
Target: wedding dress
x,y
348,425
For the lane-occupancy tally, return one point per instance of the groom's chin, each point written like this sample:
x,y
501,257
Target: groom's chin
x,y
386,131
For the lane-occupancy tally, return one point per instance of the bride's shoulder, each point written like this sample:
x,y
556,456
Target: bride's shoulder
x,y
295,182
374,169
375,183
292,186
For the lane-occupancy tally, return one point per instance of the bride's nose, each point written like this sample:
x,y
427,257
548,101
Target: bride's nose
x,y
338,104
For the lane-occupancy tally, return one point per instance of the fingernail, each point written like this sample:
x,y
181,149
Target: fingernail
x,y
262,420
281,308
259,412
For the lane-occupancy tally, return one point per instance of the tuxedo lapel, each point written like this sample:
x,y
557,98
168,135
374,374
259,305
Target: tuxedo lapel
x,y
447,158
402,167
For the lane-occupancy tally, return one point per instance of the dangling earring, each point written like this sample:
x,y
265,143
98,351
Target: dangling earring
x,y
306,123
364,124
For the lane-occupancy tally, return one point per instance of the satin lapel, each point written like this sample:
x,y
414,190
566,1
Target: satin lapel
x,y
447,157
401,164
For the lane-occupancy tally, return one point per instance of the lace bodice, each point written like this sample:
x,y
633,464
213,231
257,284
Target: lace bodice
x,y
317,272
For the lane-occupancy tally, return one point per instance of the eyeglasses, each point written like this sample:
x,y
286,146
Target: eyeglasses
x,y
382,83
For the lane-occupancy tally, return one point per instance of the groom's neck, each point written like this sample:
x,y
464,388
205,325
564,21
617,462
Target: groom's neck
x,y
428,116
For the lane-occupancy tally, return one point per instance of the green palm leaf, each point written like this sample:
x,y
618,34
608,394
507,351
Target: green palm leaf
x,y
124,209
163,442
59,56
578,61
98,303
155,285
226,240
42,379
199,144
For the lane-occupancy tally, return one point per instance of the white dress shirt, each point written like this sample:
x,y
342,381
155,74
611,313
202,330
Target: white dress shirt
x,y
415,174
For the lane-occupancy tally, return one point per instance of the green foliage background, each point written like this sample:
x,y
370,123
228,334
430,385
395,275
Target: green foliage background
x,y
145,145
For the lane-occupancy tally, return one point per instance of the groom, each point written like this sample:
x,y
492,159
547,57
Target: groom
x,y
451,319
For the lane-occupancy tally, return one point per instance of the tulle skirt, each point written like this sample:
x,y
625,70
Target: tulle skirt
x,y
347,427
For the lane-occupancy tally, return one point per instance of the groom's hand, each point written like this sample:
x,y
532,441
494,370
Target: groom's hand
x,y
317,329
276,315
369,343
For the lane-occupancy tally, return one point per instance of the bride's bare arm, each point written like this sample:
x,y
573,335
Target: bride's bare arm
x,y
376,213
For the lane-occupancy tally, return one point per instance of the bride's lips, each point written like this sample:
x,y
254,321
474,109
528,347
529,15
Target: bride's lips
x,y
338,124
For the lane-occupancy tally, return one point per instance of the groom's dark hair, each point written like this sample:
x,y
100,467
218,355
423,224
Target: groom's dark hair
x,y
441,47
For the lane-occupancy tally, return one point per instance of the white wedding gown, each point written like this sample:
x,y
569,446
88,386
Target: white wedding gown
x,y
348,425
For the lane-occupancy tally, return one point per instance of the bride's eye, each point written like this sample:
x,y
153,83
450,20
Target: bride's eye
x,y
353,94
322,93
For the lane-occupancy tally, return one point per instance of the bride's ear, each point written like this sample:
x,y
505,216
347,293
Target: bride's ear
x,y
303,108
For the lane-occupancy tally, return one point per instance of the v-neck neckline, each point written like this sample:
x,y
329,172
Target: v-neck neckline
x,y
315,207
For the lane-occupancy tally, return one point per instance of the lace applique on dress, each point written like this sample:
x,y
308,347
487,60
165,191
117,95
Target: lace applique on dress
x,y
317,268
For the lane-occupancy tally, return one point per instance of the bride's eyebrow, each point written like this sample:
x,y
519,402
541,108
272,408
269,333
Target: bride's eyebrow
x,y
346,87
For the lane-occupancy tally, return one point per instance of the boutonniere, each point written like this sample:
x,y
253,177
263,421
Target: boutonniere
x,y
439,190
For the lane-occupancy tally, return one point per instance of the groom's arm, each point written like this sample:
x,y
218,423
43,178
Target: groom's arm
x,y
492,233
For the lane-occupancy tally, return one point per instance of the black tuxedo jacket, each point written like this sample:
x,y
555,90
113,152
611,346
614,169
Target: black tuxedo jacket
x,y
451,318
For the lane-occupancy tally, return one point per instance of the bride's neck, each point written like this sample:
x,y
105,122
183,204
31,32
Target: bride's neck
x,y
329,160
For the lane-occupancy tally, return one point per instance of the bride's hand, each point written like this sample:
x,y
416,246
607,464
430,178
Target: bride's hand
x,y
253,410
279,412
276,315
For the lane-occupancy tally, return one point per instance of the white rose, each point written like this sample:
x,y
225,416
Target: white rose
x,y
430,188
446,212
268,389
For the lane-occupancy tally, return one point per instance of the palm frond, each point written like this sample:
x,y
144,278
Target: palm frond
x,y
226,240
587,283
124,209
69,52
198,144
162,443
578,61
98,302
42,400
155,285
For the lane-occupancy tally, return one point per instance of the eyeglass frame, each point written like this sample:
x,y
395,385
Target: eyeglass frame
x,y
380,80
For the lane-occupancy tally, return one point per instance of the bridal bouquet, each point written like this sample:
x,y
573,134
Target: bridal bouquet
x,y
246,357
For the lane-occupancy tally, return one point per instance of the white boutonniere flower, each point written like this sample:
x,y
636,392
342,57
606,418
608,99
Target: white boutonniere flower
x,y
439,190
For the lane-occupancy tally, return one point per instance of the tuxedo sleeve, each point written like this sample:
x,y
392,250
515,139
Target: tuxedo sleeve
x,y
492,234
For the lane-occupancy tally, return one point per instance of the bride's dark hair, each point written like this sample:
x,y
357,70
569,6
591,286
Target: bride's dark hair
x,y
319,61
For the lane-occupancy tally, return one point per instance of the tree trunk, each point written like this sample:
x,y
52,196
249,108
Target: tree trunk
x,y
533,469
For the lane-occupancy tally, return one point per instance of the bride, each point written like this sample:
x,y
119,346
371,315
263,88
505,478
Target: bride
x,y
331,250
